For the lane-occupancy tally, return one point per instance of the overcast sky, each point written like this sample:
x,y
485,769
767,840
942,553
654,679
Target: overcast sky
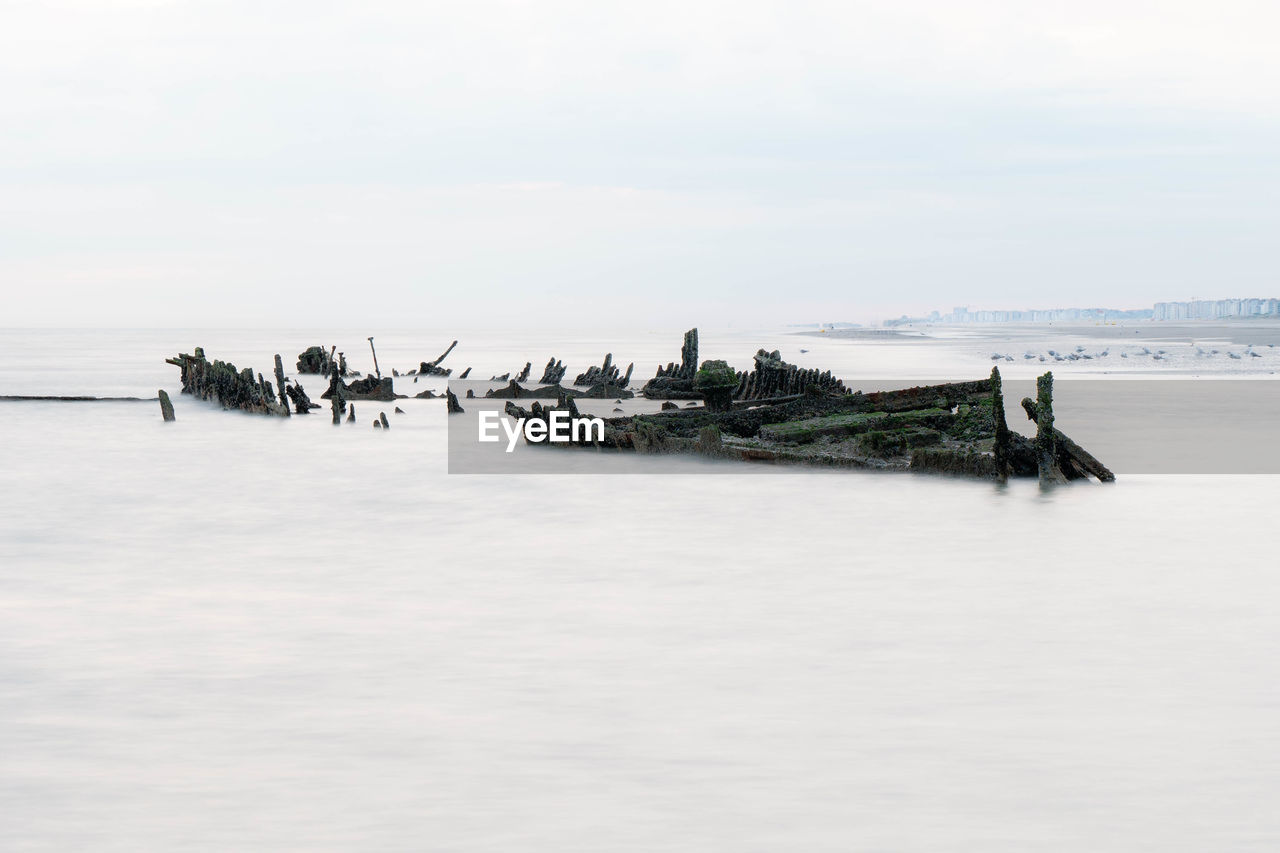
x,y
406,163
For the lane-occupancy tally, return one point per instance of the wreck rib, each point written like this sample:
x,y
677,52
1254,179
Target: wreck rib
x,y
219,381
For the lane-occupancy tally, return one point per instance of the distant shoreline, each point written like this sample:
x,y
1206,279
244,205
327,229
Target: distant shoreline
x,y
860,333
1255,331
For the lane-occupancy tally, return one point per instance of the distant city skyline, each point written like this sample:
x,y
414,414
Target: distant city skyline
x,y
1214,309
1195,309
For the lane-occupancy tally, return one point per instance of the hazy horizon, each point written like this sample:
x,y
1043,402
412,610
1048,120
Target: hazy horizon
x,y
750,163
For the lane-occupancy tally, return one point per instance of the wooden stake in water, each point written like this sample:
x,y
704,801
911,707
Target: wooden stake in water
x,y
375,358
284,399
166,406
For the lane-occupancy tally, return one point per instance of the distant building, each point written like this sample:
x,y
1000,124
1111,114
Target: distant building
x,y
1050,315
1216,309
1196,309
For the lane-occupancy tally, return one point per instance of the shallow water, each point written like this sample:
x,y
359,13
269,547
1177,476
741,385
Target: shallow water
x,y
234,632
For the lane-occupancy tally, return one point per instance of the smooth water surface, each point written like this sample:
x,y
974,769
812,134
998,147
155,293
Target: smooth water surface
x,y
242,633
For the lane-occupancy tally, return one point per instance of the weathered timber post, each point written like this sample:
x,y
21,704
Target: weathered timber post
x,y
351,414
166,406
444,354
1041,411
451,402
1002,427
375,357
336,403
689,354
284,399
382,416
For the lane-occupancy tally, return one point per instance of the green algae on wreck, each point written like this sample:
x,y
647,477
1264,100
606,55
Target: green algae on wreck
x,y
716,381
954,428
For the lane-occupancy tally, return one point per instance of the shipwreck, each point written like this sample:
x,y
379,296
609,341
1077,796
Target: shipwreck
x,y
775,412
778,412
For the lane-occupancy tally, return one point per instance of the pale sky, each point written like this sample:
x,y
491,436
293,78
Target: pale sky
x,y
408,163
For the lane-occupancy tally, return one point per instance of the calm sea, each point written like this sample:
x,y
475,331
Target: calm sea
x,y
242,633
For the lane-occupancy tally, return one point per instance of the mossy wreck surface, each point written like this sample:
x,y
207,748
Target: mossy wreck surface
x,y
221,382
954,428
771,379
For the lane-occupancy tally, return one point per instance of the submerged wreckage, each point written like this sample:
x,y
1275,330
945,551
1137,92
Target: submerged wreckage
x,y
771,378
321,361
781,413
953,428
220,382
776,412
